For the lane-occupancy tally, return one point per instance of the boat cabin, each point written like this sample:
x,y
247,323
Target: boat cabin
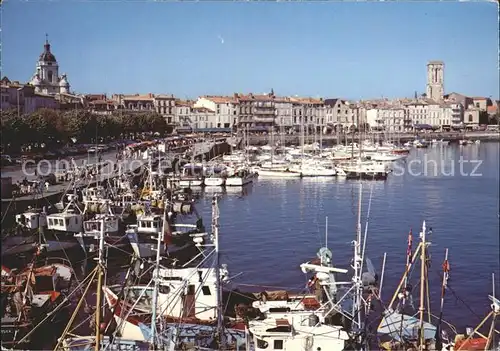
x,y
149,224
192,170
65,222
111,224
32,219
296,333
94,193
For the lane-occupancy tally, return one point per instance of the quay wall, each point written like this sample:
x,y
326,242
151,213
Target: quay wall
x,y
257,140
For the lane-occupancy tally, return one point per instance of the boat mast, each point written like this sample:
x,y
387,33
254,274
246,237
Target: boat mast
x,y
356,308
215,233
421,309
156,277
100,271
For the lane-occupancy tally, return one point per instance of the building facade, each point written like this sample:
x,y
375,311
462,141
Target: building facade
x,y
284,113
46,79
226,109
256,112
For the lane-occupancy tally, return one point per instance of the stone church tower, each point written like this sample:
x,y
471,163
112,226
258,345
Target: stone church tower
x,y
46,79
435,80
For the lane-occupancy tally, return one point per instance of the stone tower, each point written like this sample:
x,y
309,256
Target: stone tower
x,y
46,79
435,80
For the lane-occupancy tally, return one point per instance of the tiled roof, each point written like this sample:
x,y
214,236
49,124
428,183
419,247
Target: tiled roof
x,y
138,97
252,97
202,110
221,99
307,100
182,103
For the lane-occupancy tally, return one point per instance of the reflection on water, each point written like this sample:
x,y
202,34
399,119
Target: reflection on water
x,y
282,223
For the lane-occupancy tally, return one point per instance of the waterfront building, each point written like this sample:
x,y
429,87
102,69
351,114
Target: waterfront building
x,y
182,116
165,106
134,103
309,113
284,112
24,98
386,118
481,103
46,79
338,114
100,104
435,80
225,108
202,118
256,112
471,117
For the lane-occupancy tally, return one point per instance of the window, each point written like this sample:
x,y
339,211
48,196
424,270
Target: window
x,y
49,76
206,290
164,289
261,344
470,118
278,344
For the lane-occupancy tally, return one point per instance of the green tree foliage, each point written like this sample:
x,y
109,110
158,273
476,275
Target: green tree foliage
x,y
53,126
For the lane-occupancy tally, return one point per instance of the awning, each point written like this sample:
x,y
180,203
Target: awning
x,y
260,128
422,126
212,130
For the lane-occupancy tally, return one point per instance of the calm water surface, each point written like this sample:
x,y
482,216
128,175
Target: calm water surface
x,y
270,228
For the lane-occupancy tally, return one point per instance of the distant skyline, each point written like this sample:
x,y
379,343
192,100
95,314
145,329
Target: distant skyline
x,y
349,50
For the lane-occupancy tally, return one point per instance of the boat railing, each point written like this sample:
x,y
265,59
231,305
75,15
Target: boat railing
x,y
56,260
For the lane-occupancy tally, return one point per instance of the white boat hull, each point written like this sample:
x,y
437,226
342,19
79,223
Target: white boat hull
x,y
278,174
214,181
239,181
315,172
190,183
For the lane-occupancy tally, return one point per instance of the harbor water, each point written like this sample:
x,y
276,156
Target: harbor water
x,y
270,228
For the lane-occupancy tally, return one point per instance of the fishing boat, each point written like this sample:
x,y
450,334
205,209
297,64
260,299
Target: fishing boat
x,y
30,235
188,299
99,341
215,176
33,304
369,170
400,328
192,175
240,176
177,237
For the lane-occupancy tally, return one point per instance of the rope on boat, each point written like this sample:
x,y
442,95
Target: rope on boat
x,y
57,308
72,319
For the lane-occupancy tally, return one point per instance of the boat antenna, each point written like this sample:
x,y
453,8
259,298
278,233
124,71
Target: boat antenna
x,y
215,234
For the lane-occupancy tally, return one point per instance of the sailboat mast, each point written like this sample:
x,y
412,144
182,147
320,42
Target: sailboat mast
x,y
421,309
99,288
156,276
357,258
326,232
215,232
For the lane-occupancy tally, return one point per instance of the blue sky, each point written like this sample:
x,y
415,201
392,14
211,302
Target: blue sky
x,y
350,50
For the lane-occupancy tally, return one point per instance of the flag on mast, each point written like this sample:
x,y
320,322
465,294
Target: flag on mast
x,y
409,249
